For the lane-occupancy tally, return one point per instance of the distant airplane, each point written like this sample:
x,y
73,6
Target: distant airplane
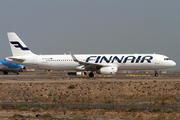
x,y
6,67
107,64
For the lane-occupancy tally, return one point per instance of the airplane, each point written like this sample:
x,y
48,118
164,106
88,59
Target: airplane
x,y
6,67
107,64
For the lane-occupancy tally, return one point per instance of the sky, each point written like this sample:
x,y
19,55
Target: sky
x,y
93,26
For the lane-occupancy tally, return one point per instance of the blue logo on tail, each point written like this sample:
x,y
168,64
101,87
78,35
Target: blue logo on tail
x,y
18,45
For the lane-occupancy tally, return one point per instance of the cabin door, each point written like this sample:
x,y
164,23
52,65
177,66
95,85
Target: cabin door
x,y
34,60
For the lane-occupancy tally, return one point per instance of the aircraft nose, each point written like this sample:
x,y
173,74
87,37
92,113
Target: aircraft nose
x,y
173,63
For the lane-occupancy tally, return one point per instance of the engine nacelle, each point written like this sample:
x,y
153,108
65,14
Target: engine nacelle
x,y
107,70
80,67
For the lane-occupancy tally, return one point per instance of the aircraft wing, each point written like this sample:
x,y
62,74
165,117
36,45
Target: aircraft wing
x,y
90,66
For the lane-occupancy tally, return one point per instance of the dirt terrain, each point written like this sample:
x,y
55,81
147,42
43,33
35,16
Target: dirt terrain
x,y
26,97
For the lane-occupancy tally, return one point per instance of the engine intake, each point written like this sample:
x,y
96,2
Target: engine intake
x,y
107,70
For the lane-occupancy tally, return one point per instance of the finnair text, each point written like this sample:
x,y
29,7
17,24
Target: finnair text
x,y
122,59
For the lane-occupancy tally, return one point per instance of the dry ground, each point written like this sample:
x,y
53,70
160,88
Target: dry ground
x,y
132,91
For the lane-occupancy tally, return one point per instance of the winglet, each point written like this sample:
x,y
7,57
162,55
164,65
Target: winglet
x,y
73,57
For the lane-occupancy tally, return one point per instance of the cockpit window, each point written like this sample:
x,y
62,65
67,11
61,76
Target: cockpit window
x,y
166,59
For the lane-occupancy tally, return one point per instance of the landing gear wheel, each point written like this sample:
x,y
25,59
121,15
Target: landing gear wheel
x,y
91,74
85,73
5,72
156,74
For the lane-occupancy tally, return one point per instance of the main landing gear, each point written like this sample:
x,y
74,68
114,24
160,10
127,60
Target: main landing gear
x,y
5,72
91,74
156,74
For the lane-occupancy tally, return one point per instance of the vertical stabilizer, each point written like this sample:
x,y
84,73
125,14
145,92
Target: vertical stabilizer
x,y
18,48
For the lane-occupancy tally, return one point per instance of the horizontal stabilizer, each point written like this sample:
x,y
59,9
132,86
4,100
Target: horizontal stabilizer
x,y
12,59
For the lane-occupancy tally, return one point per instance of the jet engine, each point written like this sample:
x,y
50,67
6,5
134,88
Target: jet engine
x,y
107,70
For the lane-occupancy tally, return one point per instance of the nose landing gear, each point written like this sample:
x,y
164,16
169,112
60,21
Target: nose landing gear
x,y
156,74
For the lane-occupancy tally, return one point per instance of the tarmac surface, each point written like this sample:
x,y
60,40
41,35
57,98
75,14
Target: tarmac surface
x,y
51,77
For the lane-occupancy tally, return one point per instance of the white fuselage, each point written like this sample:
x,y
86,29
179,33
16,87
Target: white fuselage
x,y
101,63
121,61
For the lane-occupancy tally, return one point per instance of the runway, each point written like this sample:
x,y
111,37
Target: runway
x,y
63,77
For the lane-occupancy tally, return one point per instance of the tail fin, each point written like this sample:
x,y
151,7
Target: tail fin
x,y
18,48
